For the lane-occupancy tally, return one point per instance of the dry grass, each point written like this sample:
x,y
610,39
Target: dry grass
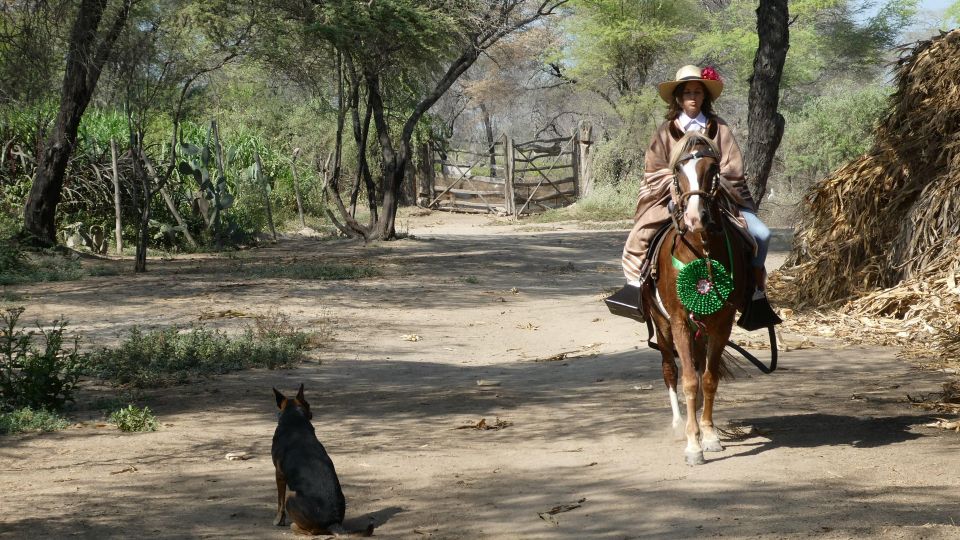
x,y
880,237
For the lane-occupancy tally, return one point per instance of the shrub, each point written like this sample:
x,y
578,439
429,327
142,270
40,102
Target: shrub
x,y
170,356
33,377
134,419
28,419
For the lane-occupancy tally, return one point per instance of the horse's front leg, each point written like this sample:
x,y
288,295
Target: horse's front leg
x,y
691,389
711,380
669,367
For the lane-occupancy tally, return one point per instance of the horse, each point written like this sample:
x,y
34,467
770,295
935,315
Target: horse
x,y
699,231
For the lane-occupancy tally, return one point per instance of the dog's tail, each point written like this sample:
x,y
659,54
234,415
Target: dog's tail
x,y
338,530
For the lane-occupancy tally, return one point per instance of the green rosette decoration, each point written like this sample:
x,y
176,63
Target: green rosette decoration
x,y
700,292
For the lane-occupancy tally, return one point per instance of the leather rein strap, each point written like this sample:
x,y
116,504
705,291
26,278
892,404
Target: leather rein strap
x,y
743,352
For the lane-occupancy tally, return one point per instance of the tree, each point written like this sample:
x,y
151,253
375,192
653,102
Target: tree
x,y
87,54
764,122
407,54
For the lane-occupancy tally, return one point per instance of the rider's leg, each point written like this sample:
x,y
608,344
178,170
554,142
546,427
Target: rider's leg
x,y
761,234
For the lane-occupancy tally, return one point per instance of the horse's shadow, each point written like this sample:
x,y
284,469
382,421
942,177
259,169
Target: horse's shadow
x,y
816,429
377,519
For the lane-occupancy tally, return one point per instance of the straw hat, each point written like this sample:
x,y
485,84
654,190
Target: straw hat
x,y
708,76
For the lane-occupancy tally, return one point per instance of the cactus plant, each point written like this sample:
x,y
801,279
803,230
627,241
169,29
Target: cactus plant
x,y
214,196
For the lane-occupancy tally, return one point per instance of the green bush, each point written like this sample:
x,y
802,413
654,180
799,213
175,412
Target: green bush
x,y
28,419
831,130
171,356
34,377
134,419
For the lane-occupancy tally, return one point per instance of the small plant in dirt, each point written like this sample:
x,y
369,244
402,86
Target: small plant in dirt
x,y
28,419
311,270
174,356
135,419
37,377
42,266
472,280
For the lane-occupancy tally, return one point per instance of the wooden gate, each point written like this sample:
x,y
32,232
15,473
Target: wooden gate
x,y
506,178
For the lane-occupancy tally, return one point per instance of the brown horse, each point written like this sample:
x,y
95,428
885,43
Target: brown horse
x,y
699,230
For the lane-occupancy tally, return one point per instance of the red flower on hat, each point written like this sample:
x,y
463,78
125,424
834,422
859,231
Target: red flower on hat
x,y
709,74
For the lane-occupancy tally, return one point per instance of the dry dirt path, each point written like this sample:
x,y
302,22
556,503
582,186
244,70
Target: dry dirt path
x,y
834,450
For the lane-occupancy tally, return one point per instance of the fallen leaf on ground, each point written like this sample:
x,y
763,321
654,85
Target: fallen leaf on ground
x,y
237,456
484,382
224,314
943,423
411,337
483,425
548,515
128,468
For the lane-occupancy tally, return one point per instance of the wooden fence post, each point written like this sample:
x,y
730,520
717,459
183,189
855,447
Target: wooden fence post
x,y
583,159
509,166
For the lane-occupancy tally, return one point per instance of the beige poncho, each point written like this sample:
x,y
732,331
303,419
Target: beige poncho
x,y
654,195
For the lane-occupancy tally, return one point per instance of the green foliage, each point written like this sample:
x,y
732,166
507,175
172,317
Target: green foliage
x,y
616,44
36,377
28,419
607,202
831,130
170,356
953,12
42,267
135,419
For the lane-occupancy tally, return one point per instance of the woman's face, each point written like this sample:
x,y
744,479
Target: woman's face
x,y
691,98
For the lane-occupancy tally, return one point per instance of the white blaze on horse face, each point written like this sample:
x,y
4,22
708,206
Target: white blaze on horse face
x,y
691,217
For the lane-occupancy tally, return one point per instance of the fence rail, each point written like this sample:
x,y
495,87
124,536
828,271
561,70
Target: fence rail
x,y
552,173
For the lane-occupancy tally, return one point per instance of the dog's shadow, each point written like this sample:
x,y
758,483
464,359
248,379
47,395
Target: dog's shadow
x,y
377,519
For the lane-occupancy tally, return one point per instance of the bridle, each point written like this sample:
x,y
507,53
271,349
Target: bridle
x,y
681,198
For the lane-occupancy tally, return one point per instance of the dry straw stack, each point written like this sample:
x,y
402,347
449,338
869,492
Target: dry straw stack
x,y
883,232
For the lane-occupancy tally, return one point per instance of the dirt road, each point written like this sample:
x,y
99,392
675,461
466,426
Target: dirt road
x,y
826,447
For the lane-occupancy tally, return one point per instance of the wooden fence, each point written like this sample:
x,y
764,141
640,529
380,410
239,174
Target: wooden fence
x,y
507,177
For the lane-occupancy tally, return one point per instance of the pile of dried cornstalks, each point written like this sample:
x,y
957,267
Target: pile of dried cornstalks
x,y
880,237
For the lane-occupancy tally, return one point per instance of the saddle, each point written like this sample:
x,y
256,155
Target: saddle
x,y
628,301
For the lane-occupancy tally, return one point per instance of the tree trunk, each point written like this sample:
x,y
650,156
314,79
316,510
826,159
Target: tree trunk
x,y
116,196
85,60
764,123
296,187
140,179
491,149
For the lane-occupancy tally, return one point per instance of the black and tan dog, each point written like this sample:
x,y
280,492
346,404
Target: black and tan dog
x,y
307,486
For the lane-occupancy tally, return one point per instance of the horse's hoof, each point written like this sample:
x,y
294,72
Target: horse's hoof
x,y
711,446
695,458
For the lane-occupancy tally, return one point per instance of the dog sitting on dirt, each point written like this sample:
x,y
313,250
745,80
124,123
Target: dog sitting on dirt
x,y
308,489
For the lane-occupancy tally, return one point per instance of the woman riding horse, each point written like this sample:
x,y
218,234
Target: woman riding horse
x,y
695,162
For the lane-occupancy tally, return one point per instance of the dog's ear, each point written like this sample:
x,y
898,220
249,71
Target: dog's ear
x,y
280,398
300,393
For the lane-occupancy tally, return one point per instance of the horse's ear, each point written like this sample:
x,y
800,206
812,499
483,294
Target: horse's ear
x,y
300,393
279,397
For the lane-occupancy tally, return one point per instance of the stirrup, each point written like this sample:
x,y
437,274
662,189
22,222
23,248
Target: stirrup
x,y
758,313
626,302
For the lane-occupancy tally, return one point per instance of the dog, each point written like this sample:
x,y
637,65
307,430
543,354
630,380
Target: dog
x,y
308,489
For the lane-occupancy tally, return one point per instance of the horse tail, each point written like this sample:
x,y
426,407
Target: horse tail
x,y
730,366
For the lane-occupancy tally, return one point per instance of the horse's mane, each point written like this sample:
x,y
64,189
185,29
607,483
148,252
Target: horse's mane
x,y
685,145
